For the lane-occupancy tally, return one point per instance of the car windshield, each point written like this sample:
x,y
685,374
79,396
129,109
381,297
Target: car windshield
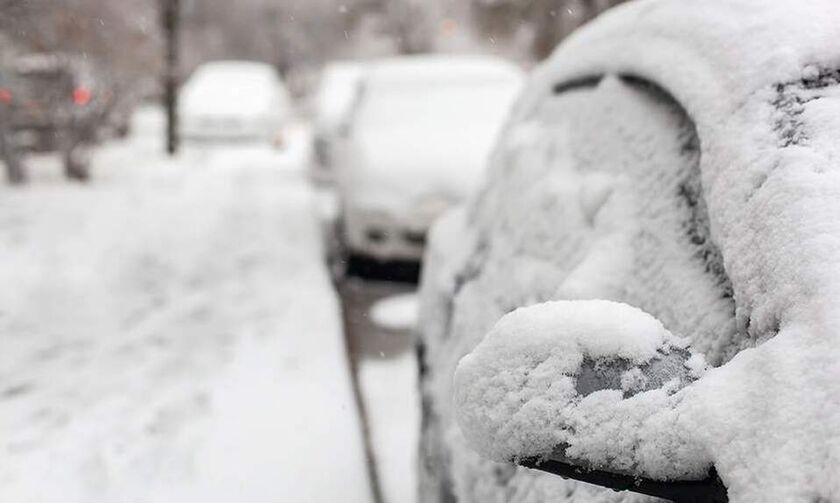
x,y
336,93
230,87
42,85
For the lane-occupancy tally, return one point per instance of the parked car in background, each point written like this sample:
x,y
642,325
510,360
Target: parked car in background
x,y
234,100
418,141
338,90
56,102
644,294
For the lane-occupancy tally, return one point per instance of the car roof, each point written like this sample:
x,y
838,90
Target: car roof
x,y
52,62
426,68
650,39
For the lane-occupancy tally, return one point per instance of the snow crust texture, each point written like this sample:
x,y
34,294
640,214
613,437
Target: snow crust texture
x,y
527,388
680,157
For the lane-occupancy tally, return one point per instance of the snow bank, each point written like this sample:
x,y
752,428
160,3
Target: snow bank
x,y
728,234
172,335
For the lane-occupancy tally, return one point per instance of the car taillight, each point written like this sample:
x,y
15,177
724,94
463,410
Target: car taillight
x,y
5,95
81,96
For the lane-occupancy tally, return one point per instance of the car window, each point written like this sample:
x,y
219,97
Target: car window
x,y
593,193
43,85
599,191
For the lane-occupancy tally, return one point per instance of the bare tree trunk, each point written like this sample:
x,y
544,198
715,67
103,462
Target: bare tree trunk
x,y
547,29
170,13
550,20
410,27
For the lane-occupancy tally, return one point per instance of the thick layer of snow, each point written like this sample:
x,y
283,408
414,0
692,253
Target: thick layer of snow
x,y
623,238
725,229
169,333
520,392
398,312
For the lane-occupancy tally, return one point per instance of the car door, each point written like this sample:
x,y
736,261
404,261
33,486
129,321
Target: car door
x,y
595,194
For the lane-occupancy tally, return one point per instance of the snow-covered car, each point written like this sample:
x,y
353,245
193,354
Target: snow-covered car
x,y
337,92
232,100
644,295
418,141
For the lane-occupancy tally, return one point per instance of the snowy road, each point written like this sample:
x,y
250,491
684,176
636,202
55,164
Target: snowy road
x,y
168,333
386,369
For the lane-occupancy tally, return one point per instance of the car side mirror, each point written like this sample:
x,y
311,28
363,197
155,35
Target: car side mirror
x,y
587,390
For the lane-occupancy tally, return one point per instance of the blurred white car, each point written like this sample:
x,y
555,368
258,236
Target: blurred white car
x,y
418,143
337,92
234,100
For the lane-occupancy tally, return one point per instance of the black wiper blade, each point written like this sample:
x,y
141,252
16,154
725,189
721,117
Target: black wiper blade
x,y
708,490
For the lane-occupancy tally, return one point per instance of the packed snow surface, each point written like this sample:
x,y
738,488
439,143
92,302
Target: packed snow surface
x,y
169,333
709,200
398,312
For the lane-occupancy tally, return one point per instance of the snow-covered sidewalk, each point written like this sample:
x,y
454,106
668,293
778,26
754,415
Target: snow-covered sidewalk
x,y
169,333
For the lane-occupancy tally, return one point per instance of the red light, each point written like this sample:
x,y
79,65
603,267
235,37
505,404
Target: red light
x,y
81,96
5,95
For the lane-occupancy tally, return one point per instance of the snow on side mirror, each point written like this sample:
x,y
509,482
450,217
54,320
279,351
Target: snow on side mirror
x,y
587,390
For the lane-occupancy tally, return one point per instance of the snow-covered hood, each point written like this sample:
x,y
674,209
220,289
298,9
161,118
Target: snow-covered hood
x,y
406,163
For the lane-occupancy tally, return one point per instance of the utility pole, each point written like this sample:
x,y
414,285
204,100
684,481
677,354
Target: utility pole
x,y
170,11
